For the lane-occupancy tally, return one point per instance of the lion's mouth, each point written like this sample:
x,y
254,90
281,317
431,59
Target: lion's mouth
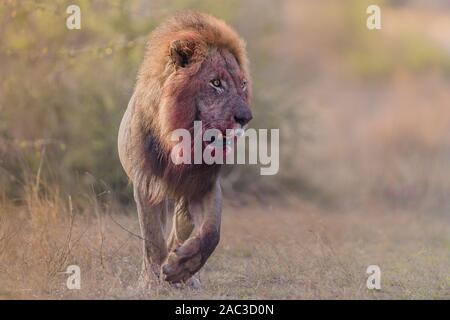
x,y
227,139
223,140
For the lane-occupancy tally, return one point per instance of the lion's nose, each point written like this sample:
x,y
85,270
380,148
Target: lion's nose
x,y
243,115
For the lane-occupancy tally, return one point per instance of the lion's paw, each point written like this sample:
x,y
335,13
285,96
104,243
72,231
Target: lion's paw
x,y
183,261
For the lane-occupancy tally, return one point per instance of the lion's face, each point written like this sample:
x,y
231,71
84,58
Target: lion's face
x,y
214,91
223,93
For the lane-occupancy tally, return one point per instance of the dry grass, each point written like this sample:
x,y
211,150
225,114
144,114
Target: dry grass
x,y
293,251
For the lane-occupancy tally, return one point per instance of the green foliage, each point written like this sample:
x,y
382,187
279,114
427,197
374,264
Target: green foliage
x,y
65,91
377,55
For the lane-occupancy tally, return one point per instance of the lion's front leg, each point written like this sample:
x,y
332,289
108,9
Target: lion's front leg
x,y
152,223
186,259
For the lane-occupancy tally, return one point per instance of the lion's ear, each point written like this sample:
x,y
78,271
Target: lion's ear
x,y
181,52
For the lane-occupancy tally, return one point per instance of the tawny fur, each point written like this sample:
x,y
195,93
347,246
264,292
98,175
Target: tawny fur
x,y
163,100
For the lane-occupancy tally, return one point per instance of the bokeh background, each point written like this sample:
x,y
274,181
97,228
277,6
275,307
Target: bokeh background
x,y
364,115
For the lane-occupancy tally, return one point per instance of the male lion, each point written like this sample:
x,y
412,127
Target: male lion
x,y
195,68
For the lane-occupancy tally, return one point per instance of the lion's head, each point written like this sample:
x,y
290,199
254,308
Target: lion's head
x,y
198,66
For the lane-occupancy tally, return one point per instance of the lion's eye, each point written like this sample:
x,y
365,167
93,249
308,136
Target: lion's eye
x,y
244,85
216,83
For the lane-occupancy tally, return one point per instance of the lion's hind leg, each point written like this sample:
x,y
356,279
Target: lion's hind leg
x,y
182,225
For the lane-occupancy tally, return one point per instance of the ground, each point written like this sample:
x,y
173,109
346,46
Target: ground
x,y
292,251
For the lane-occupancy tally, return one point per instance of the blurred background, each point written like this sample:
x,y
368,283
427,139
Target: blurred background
x,y
364,119
364,115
